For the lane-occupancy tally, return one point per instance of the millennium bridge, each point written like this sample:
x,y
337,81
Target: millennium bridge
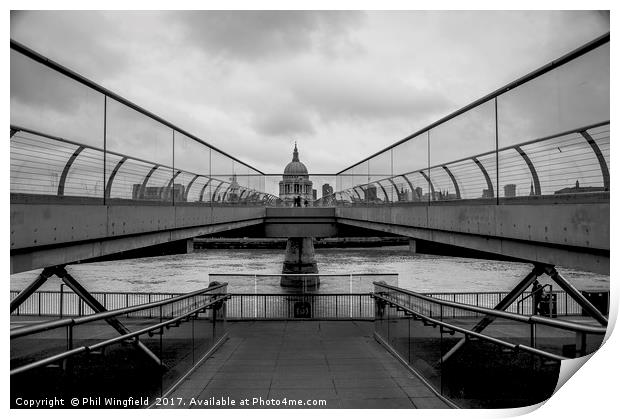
x,y
521,174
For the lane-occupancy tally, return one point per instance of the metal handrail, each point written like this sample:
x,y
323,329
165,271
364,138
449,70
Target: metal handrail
x,y
486,153
54,324
18,128
33,55
575,327
576,53
541,289
469,332
108,342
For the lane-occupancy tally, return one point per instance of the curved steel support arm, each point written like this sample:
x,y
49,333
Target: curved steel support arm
x,y
430,183
413,191
145,181
202,191
599,155
168,191
108,187
486,176
65,171
189,185
391,180
456,185
226,191
217,188
387,198
530,165
356,193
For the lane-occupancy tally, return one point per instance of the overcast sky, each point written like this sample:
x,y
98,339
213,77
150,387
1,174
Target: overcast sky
x,y
343,84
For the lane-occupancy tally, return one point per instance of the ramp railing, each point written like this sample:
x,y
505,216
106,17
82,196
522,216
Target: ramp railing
x,y
137,351
513,361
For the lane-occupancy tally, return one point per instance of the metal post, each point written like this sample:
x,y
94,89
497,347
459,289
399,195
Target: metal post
x,y
66,363
581,338
496,154
61,298
350,296
360,300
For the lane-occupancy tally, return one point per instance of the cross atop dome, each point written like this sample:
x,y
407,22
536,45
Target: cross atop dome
x,y
295,153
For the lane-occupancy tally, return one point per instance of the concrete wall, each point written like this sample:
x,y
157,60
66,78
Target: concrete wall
x,y
47,234
548,231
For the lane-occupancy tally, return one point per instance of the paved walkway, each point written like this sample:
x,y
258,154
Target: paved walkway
x,y
338,362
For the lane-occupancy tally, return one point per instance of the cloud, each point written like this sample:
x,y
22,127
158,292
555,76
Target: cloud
x,y
289,123
57,34
263,35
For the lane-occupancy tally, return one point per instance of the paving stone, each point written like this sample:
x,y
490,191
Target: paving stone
x,y
304,382
418,391
429,403
241,382
304,393
339,362
348,382
371,392
369,403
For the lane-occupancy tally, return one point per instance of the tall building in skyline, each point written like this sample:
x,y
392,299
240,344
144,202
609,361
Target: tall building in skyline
x,y
327,190
510,190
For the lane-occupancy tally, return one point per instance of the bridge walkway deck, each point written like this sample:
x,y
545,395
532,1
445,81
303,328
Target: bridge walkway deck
x,y
336,361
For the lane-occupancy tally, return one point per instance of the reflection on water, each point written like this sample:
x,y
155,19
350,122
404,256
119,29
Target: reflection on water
x,y
424,273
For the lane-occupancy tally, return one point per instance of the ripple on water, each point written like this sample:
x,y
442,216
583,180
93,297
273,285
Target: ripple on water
x,y
424,273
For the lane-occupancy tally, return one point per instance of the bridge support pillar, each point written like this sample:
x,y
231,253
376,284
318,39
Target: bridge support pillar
x,y
413,246
299,259
189,244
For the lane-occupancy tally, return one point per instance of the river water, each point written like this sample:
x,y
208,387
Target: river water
x,y
420,272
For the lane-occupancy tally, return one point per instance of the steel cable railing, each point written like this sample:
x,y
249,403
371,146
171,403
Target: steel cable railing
x,y
43,164
550,163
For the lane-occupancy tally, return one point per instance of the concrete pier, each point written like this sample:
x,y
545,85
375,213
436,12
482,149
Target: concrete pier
x,y
299,259
413,246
